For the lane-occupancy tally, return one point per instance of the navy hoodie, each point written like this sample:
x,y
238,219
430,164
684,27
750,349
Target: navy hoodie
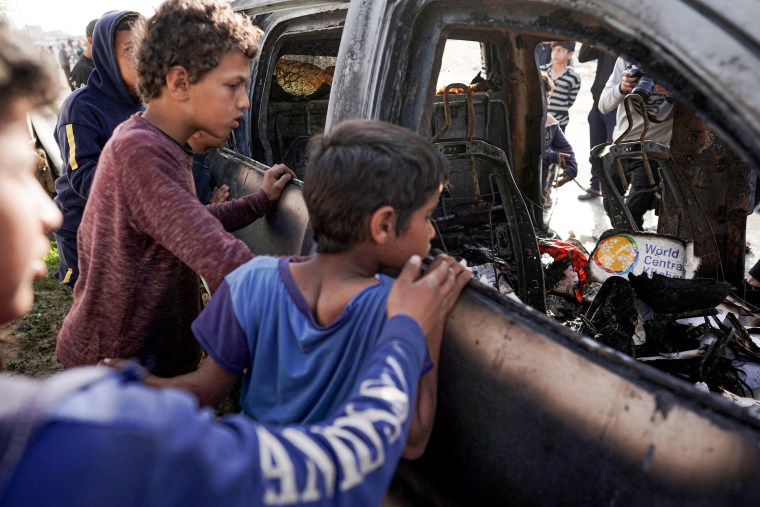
x,y
87,119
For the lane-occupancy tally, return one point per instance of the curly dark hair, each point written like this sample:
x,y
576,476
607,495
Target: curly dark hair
x,y
24,74
360,166
194,34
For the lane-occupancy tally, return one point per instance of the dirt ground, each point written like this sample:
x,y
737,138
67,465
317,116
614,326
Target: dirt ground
x,y
27,345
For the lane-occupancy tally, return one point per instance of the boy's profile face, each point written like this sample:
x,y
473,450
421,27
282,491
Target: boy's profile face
x,y
26,215
219,98
415,238
560,54
124,48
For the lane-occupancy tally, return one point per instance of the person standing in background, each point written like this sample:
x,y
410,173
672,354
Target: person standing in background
x,y
84,67
600,125
557,150
544,53
567,82
63,60
658,108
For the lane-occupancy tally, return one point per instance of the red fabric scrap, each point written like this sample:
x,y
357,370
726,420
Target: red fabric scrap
x,y
561,250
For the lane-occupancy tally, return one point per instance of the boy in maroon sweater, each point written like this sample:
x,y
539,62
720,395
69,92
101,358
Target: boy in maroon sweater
x,y
144,234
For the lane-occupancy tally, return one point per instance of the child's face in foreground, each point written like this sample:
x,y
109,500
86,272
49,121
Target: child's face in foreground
x,y
219,98
26,214
415,239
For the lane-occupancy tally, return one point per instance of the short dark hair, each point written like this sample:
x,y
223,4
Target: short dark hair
x,y
360,166
90,28
195,34
567,44
23,74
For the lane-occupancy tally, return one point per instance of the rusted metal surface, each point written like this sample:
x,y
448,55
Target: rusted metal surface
x,y
527,115
525,418
253,7
720,180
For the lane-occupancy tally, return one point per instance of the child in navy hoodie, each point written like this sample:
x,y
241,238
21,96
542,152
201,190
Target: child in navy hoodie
x,y
86,121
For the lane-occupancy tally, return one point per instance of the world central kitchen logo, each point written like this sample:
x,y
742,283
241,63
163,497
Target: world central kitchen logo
x,y
622,254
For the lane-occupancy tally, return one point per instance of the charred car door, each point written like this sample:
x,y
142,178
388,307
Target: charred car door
x,y
530,412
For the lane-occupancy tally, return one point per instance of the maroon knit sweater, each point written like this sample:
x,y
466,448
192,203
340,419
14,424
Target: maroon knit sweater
x,y
144,236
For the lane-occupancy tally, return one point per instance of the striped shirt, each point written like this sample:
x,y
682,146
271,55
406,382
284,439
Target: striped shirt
x,y
566,88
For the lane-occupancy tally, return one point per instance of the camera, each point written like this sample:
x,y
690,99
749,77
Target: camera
x,y
645,85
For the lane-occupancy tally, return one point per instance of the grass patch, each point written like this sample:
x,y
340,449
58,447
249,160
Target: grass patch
x,y
51,259
30,340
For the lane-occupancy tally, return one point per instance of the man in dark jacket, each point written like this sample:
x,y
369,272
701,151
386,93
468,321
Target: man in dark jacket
x,y
84,67
87,120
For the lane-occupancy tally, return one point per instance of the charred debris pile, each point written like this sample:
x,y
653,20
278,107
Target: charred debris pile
x,y
636,292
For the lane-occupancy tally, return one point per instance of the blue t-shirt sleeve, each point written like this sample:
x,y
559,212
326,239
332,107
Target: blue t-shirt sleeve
x,y
120,436
219,333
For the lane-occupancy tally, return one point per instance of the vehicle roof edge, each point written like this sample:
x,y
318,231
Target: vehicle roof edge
x,y
254,7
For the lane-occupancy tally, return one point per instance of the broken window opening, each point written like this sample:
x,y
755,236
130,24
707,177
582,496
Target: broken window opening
x,y
477,221
296,106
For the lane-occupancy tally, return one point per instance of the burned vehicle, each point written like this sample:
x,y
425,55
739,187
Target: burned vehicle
x,y
531,411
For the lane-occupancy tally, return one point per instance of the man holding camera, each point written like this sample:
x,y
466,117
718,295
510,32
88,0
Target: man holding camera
x,y
625,78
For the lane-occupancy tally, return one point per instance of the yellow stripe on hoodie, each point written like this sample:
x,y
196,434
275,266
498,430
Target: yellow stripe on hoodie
x,y
72,147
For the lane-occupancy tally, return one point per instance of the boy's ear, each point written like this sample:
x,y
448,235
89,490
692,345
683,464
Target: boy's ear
x,y
177,82
382,224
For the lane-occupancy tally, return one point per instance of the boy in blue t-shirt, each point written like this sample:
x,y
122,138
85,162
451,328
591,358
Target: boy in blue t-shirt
x,y
301,330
